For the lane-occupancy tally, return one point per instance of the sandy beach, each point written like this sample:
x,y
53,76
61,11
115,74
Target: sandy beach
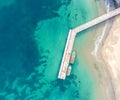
x,y
111,56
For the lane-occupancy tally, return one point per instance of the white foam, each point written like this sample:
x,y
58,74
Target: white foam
x,y
101,36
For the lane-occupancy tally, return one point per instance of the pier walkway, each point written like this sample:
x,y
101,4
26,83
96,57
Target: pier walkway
x,y
71,37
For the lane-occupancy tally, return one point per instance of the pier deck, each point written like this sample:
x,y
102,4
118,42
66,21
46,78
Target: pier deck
x,y
71,37
67,54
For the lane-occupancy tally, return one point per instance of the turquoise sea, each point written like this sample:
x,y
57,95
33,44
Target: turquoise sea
x,y
32,40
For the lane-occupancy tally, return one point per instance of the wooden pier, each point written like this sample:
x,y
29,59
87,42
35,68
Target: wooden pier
x,y
67,54
71,37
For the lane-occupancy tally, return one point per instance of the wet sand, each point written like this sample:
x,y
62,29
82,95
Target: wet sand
x,y
111,56
102,85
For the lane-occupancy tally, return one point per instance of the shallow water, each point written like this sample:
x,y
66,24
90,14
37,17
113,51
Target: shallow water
x,y
32,39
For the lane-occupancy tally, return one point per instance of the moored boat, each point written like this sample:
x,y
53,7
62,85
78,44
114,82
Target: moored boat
x,y
69,70
72,59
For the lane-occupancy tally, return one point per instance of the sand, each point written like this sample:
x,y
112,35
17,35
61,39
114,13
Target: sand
x,y
102,80
111,56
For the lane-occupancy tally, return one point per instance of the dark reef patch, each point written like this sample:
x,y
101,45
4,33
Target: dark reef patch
x,y
18,50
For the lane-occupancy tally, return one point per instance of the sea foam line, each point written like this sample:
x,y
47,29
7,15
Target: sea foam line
x,y
100,38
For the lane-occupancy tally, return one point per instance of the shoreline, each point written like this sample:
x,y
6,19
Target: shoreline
x,y
95,68
113,88
111,56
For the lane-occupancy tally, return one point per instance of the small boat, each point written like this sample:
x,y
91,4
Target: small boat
x,y
72,59
69,70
